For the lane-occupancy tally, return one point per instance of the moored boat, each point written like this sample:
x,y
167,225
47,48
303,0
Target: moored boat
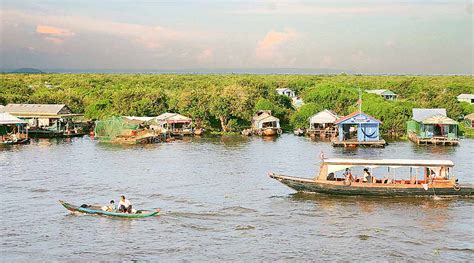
x,y
426,178
299,132
270,131
96,210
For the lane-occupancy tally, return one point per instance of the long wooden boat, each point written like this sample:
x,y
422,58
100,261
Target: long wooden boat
x,y
435,179
96,210
11,142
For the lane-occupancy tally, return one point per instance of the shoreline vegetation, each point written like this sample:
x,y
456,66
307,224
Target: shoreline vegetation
x,y
225,103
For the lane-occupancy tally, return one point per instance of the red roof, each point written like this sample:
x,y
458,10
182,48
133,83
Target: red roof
x,y
355,113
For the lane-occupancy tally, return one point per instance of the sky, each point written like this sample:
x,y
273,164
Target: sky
x,y
371,36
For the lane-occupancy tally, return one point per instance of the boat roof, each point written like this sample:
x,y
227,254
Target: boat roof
x,y
387,162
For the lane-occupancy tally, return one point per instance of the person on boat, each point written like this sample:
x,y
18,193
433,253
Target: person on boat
x,y
331,177
348,175
111,207
367,177
125,206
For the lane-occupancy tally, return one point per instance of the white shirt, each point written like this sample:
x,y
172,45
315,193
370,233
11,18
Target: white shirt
x,y
125,203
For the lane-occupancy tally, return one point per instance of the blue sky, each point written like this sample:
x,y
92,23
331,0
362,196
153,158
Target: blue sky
x,y
431,37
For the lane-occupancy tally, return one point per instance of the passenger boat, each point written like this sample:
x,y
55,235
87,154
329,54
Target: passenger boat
x,y
425,178
96,210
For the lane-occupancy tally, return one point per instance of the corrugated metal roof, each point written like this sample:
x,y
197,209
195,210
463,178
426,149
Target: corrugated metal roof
x,y
420,115
466,96
381,92
38,109
261,114
469,116
169,116
325,116
7,118
439,119
355,113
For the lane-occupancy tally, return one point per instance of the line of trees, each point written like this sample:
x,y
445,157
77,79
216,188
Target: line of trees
x,y
227,102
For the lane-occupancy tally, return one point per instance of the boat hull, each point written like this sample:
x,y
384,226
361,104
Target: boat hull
x,y
79,209
368,189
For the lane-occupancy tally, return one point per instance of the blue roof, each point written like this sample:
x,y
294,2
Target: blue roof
x,y
357,117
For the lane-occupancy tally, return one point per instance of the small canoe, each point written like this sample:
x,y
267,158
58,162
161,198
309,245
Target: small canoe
x,y
96,210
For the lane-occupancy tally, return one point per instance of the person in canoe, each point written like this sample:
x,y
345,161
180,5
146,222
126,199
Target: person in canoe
x,y
110,208
125,206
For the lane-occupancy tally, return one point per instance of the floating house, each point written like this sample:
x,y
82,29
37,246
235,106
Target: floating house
x,y
358,129
469,98
322,124
384,93
286,92
469,119
432,126
174,124
264,124
47,120
12,129
127,130
295,100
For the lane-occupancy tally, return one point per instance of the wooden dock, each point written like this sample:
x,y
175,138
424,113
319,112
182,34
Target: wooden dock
x,y
438,140
354,144
322,133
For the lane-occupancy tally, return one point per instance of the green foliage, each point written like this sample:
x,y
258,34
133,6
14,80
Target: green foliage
x,y
300,119
329,96
228,102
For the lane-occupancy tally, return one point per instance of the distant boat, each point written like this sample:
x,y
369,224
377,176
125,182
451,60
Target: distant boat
x,y
299,132
96,210
436,180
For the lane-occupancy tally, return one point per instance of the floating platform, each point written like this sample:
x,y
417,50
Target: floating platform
x,y
354,144
322,133
41,133
438,140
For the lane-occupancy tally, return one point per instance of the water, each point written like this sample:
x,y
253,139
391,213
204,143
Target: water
x,y
218,204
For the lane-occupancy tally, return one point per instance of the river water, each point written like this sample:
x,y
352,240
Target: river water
x,y
219,204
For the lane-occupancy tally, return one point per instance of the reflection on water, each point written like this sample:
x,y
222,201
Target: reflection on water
x,y
218,203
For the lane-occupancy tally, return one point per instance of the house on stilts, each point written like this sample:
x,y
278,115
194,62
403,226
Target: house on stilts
x,y
432,126
322,125
12,130
47,120
174,124
358,129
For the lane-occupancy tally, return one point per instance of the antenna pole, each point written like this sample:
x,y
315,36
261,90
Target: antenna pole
x,y
360,101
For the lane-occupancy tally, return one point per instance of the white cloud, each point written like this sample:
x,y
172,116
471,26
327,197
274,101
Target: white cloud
x,y
271,46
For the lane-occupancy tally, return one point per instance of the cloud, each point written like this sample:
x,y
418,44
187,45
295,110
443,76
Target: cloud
x,y
56,31
205,55
148,37
326,62
270,46
53,34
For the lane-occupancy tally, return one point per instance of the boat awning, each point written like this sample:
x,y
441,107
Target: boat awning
x,y
387,162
